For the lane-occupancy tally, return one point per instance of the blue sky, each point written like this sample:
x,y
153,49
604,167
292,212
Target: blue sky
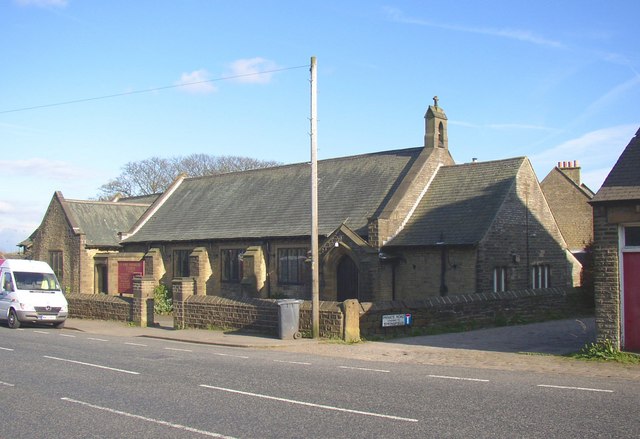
x,y
551,80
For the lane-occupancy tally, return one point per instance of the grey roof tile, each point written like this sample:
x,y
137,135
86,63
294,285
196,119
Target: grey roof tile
x,y
275,202
460,204
101,221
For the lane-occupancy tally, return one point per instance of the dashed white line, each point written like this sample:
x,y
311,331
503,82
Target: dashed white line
x,y
144,418
96,339
229,355
135,344
458,378
364,369
586,389
179,350
6,349
67,335
41,332
310,404
2,383
92,365
292,362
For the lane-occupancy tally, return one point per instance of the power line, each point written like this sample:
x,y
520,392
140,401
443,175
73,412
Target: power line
x,y
149,90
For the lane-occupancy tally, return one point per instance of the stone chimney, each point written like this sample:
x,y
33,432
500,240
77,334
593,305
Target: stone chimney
x,y
571,170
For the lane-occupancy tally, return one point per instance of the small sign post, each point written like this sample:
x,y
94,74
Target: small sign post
x,y
389,320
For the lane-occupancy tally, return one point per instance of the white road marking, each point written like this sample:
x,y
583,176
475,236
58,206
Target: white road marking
x,y
67,335
292,362
229,355
6,349
2,383
92,365
96,339
180,350
144,418
135,344
458,378
310,404
575,388
41,332
364,369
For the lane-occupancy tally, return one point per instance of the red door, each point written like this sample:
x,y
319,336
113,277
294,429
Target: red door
x,y
631,284
126,271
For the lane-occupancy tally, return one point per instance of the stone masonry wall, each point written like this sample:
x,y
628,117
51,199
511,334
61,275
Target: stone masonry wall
x,y
467,311
523,234
606,277
254,315
100,307
570,207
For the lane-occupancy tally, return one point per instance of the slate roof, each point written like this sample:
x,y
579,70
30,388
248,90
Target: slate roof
x,y
276,202
623,182
460,204
101,221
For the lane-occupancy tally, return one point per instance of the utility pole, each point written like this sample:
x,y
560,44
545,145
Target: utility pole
x,y
315,273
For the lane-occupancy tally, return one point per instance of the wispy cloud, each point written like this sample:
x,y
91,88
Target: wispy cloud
x,y
6,207
197,82
596,151
252,70
43,168
512,34
43,3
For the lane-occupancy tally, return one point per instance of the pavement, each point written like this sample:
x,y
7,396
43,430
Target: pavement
x,y
537,347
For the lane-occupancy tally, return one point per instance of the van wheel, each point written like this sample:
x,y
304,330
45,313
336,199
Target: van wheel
x,y
59,325
13,321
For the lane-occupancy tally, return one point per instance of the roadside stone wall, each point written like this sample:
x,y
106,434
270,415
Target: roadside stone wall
x,y
331,319
469,311
253,315
100,307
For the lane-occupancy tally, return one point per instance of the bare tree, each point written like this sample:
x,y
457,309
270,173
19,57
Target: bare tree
x,y
154,175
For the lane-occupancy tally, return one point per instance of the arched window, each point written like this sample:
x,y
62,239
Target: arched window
x,y
441,135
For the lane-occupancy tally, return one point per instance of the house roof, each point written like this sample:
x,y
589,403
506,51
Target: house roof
x,y
623,182
461,204
101,221
276,202
138,199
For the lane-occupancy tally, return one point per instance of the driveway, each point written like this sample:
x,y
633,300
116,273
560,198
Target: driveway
x,y
554,337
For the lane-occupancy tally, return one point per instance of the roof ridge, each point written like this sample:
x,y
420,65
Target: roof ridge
x,y
294,165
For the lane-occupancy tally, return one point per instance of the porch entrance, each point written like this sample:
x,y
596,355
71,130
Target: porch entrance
x,y
631,285
347,279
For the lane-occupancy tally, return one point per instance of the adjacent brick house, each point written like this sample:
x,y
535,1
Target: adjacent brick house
x,y
569,199
393,225
616,222
79,239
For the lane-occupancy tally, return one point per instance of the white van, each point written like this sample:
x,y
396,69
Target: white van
x,y
30,292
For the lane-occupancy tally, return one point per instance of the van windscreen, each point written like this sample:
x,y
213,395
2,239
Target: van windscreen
x,y
35,281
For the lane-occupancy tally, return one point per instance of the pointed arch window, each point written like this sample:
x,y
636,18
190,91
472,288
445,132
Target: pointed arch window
x,y
441,135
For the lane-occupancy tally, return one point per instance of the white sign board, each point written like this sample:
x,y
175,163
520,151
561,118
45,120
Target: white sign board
x,y
393,320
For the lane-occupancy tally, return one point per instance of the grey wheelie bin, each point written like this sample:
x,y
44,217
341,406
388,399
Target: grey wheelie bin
x,y
289,318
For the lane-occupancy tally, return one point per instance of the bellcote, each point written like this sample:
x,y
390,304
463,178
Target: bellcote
x,y
435,135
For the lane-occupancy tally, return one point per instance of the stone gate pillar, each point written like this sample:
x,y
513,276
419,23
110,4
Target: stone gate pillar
x,y
143,301
182,288
351,310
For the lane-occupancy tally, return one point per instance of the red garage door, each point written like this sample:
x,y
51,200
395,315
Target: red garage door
x,y
631,281
126,271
